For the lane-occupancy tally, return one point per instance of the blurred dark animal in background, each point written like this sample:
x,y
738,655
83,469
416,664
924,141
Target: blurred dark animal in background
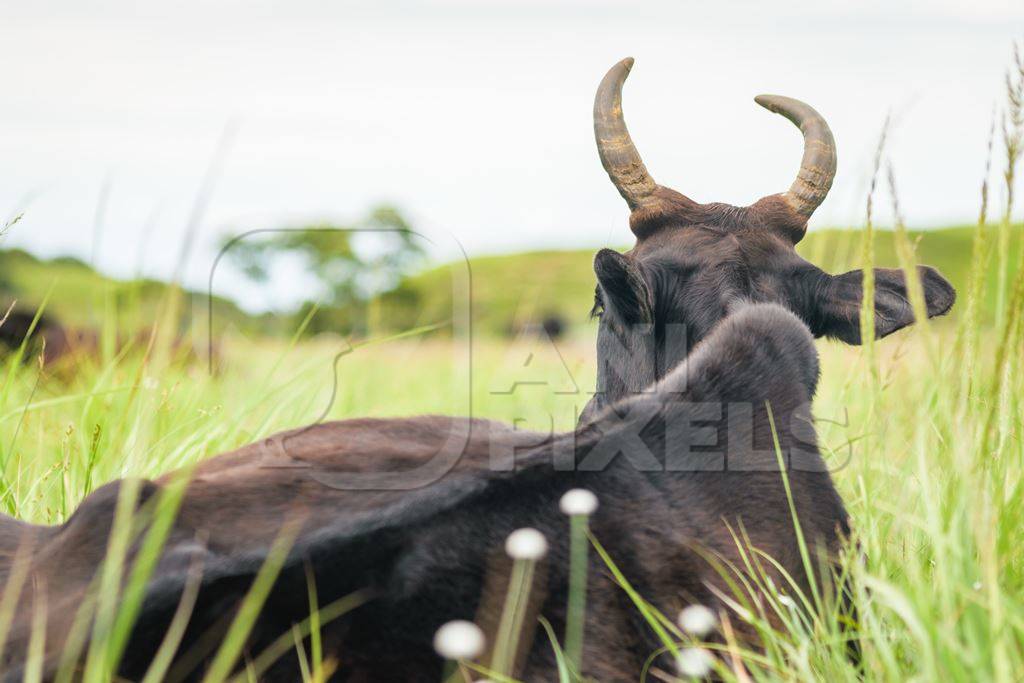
x,y
40,336
59,345
551,325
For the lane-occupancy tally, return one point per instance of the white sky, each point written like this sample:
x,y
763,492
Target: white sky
x,y
475,117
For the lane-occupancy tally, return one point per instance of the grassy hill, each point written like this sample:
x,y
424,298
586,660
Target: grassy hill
x,y
508,291
79,296
929,472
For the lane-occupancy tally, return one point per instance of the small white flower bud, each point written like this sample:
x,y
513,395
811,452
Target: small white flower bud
x,y
526,544
459,640
697,620
578,502
694,662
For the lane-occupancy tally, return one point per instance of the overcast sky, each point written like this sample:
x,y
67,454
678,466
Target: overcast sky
x,y
474,117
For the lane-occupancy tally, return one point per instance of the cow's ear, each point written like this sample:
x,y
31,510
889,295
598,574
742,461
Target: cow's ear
x,y
837,299
623,287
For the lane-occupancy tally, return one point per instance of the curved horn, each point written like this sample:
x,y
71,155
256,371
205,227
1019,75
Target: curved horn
x,y
818,166
618,155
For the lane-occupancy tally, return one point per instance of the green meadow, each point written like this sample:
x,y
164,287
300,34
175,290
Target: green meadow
x,y
923,430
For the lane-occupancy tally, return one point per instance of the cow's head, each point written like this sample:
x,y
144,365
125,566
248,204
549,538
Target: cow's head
x,y
694,263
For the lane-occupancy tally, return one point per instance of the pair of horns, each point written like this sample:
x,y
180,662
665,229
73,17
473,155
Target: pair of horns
x,y
627,171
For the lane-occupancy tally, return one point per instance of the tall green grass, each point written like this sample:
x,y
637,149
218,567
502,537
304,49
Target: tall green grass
x,y
923,430
931,473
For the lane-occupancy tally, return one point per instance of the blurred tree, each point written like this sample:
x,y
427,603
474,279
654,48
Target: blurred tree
x,y
351,264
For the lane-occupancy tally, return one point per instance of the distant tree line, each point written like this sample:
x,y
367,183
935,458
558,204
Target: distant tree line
x,y
351,264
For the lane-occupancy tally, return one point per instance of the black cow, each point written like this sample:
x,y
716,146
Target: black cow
x,y
424,556
694,263
412,514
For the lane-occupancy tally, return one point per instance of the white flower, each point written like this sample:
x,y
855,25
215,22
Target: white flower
x,y
694,662
526,544
697,620
578,502
459,640
787,601
977,585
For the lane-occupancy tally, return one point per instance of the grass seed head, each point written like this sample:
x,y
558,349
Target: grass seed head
x,y
526,544
697,620
694,662
459,640
578,502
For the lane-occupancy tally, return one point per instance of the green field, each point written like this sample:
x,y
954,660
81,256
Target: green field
x,y
510,291
924,430
506,292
